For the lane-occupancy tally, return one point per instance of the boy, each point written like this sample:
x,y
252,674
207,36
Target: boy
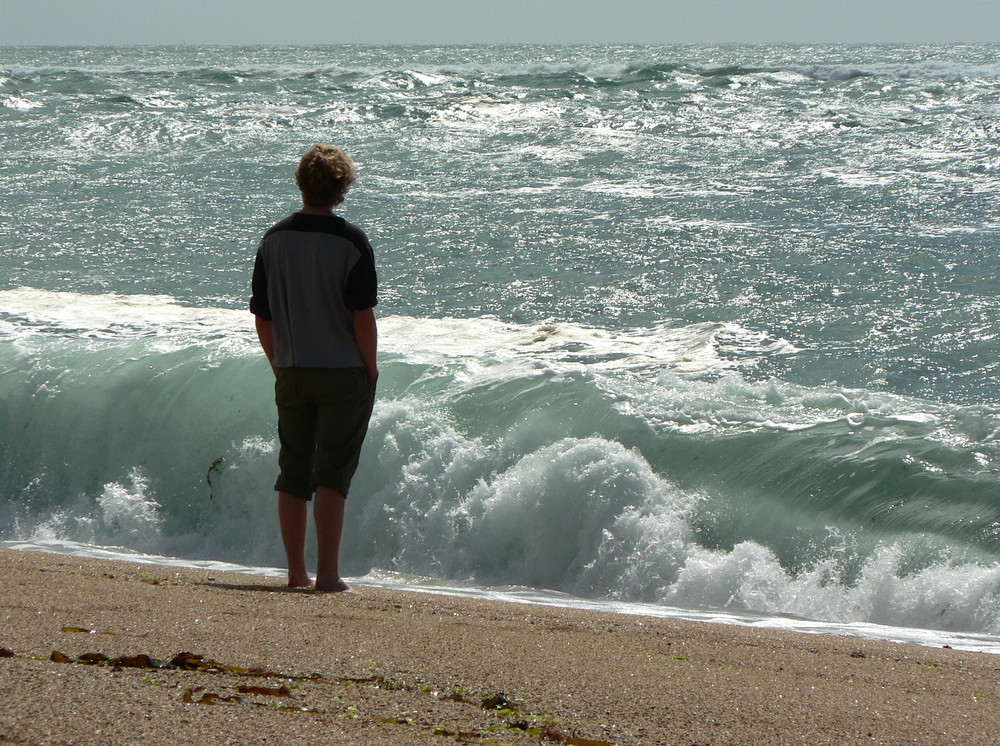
x,y
314,290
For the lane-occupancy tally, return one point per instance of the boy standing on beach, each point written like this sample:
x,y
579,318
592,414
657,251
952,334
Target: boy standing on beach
x,y
314,290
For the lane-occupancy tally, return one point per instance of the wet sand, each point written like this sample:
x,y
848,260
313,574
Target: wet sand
x,y
270,665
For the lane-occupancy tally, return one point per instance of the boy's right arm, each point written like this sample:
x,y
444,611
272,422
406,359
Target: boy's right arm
x,y
265,334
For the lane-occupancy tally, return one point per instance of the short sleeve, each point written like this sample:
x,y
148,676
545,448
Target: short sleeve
x,y
361,287
259,302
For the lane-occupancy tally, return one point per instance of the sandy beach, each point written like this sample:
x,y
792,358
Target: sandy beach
x,y
269,665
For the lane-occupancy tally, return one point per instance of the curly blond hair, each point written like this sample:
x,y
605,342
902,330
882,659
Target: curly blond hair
x,y
324,175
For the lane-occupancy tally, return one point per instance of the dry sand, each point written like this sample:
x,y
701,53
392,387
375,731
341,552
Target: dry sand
x,y
395,667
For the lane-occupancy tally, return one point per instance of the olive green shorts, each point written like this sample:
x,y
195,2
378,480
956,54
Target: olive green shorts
x,y
323,417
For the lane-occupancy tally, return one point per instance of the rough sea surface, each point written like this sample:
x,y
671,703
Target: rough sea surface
x,y
709,328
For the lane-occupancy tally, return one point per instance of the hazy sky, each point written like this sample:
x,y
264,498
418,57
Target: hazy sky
x,y
83,22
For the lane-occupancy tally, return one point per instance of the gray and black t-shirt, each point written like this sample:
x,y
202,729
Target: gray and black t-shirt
x,y
312,272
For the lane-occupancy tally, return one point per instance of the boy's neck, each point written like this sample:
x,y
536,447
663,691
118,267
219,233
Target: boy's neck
x,y
317,209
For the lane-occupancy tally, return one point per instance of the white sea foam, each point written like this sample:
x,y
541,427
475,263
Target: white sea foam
x,y
123,514
114,313
18,103
692,348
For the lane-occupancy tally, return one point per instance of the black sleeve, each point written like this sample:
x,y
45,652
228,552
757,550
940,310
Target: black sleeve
x,y
259,302
361,287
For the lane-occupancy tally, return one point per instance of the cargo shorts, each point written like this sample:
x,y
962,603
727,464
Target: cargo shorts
x,y
323,418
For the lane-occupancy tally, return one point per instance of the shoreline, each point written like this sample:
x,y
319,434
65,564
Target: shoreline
x,y
392,666
933,638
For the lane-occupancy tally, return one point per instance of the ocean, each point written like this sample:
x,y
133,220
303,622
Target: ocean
x,y
706,332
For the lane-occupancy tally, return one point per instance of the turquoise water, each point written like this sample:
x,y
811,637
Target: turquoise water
x,y
708,328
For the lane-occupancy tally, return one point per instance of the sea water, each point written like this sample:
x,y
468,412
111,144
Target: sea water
x,y
700,331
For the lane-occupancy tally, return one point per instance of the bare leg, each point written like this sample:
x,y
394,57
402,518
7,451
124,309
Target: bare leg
x,y
328,510
292,515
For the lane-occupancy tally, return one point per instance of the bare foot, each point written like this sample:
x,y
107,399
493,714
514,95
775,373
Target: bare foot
x,y
338,586
305,582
